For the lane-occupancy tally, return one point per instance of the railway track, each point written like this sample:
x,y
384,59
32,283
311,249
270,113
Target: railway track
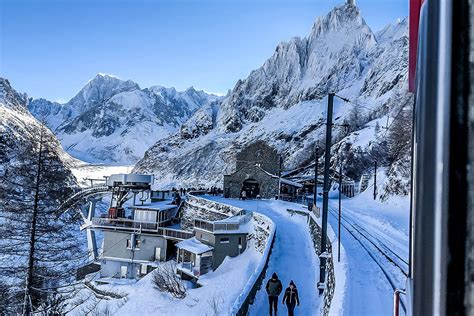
x,y
380,246
369,242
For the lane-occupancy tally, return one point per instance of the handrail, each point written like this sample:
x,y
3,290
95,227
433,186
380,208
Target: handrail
x,y
149,226
71,200
211,226
396,301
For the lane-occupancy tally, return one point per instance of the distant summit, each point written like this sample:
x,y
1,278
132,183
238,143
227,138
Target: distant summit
x,y
114,120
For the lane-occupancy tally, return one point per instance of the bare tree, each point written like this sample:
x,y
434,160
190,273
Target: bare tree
x,y
215,303
165,279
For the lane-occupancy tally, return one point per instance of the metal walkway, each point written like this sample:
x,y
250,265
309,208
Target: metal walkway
x,y
83,194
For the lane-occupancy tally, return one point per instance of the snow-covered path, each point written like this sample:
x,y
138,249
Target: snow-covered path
x,y
293,256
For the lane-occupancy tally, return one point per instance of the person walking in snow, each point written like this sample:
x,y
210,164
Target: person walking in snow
x,y
291,298
244,195
274,289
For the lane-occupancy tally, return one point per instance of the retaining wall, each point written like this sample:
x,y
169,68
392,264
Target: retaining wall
x,y
196,207
316,235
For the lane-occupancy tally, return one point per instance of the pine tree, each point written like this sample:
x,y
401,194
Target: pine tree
x,y
377,128
39,250
399,135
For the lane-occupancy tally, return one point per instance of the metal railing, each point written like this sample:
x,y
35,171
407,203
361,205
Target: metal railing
x,y
82,194
189,268
129,224
396,301
211,227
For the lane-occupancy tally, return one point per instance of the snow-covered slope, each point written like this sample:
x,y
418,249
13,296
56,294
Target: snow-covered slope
x,y
111,120
284,101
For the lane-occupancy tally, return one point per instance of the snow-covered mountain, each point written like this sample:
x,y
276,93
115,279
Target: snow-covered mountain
x,y
284,101
111,120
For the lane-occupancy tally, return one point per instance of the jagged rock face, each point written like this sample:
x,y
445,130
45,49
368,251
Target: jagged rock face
x,y
10,99
329,59
284,101
111,120
18,126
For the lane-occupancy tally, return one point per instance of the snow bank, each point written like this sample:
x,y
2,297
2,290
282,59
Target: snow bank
x,y
340,273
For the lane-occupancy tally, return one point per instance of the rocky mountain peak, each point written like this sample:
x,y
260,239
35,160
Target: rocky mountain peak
x,y
114,120
303,68
393,31
97,90
343,17
12,99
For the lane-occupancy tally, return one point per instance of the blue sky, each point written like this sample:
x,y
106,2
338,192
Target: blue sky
x,y
51,48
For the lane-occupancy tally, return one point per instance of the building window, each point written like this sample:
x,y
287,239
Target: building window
x,y
224,240
144,269
133,243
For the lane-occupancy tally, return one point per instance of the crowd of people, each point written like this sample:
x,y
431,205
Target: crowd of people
x,y
212,190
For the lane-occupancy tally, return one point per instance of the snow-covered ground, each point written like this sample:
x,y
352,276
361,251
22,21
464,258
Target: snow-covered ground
x,y
220,288
388,222
293,256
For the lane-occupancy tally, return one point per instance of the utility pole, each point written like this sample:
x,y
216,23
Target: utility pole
x,y
375,181
327,161
315,191
339,219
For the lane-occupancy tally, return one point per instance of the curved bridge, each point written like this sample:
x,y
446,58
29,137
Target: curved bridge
x,y
83,194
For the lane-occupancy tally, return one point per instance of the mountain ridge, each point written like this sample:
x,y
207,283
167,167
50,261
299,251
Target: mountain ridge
x,y
115,121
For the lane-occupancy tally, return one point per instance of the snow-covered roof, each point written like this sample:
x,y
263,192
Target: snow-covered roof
x,y
243,229
193,245
292,183
285,181
233,219
156,206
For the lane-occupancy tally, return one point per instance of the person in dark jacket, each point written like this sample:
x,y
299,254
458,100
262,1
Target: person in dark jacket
x,y
274,289
291,298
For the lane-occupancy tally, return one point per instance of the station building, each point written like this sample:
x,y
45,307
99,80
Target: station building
x,y
256,172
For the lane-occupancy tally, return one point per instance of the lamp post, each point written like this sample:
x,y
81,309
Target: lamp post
x,y
339,217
